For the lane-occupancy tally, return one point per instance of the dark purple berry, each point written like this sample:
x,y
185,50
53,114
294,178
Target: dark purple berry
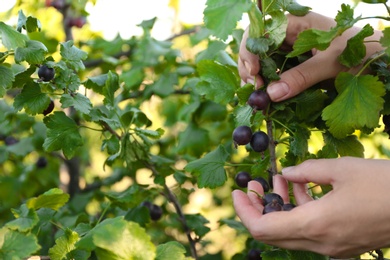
x,y
269,197
259,100
259,141
49,108
155,211
41,162
45,73
288,206
242,179
242,135
254,254
263,183
272,207
10,140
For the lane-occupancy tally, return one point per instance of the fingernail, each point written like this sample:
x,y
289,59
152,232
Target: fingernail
x,y
248,66
287,170
278,90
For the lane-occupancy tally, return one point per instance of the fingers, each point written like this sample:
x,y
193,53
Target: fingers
x,y
281,187
254,190
301,194
245,209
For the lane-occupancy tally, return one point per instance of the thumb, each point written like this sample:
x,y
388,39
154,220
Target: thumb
x,y
319,171
303,76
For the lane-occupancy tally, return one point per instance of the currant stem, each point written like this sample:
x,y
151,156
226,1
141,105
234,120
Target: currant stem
x,y
271,147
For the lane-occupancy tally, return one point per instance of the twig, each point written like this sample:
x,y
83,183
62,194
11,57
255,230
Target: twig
x,y
172,198
271,147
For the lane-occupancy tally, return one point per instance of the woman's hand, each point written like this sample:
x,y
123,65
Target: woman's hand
x,y
351,219
321,66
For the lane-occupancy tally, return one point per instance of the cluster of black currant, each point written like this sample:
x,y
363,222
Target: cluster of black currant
x,y
259,141
242,135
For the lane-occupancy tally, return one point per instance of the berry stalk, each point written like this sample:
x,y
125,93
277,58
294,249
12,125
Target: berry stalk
x,y
271,147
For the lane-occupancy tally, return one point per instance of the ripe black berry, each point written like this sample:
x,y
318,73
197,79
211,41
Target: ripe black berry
x,y
41,162
254,254
259,100
155,211
49,108
272,207
242,135
45,73
269,197
242,179
259,141
288,206
10,140
263,183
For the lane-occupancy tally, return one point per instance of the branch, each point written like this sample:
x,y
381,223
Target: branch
x,y
271,148
172,198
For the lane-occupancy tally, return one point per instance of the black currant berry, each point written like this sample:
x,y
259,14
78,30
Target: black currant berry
x,y
269,197
242,179
242,135
259,100
263,183
10,140
49,108
259,141
254,254
41,162
288,206
155,211
45,73
272,207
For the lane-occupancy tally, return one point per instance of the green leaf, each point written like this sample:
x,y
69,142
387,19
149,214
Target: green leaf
x,y
259,46
313,98
73,55
244,92
164,86
256,22
32,99
26,219
62,134
299,255
193,139
15,245
64,245
196,223
299,141
210,169
357,105
53,199
96,83
243,115
312,39
170,250
277,254
23,147
11,38
121,240
67,79
276,29
296,9
34,52
355,51
385,40
7,77
269,69
111,85
31,24
348,146
218,81
221,17
80,102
